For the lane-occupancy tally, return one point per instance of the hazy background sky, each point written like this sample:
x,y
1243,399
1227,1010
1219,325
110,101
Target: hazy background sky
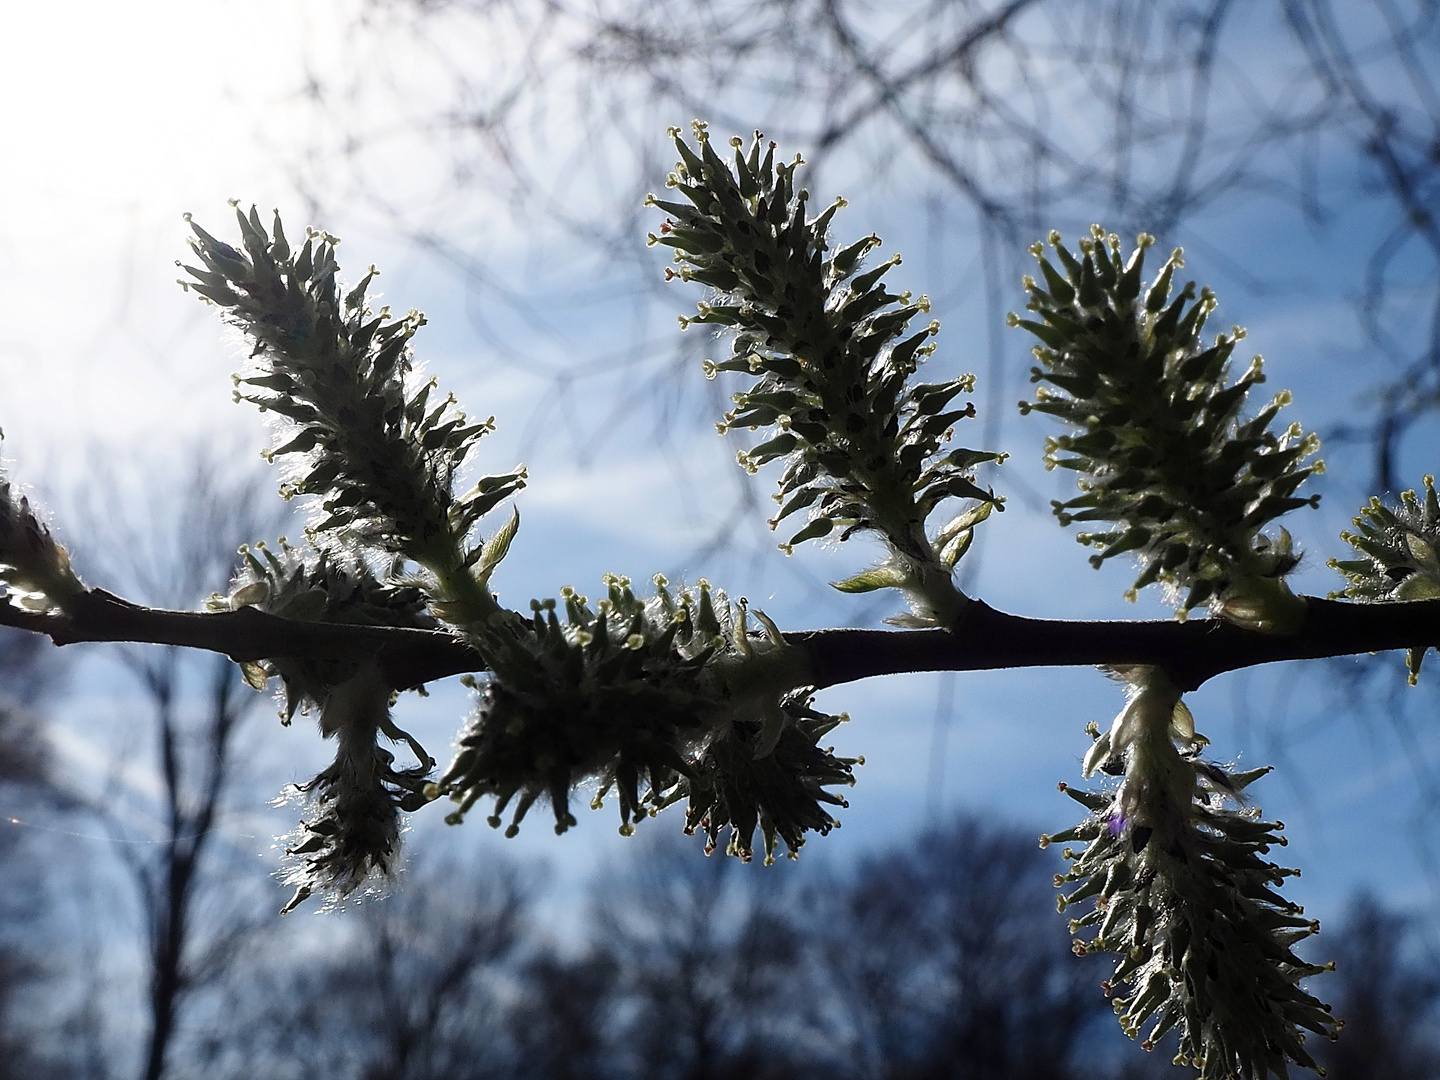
x,y
121,117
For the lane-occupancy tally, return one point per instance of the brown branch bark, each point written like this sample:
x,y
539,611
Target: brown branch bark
x,y
1191,652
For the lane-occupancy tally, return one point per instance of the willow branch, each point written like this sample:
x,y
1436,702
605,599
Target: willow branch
x,y
408,656
1191,652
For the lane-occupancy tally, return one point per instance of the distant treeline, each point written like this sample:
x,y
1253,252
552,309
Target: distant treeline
x,y
941,958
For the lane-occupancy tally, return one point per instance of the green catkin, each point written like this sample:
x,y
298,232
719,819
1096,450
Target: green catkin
x,y
831,351
1156,434
1396,555
1175,865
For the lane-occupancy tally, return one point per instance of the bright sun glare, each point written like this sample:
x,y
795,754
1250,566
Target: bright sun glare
x,y
121,117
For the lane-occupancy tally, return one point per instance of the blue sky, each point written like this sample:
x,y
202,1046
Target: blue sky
x,y
128,117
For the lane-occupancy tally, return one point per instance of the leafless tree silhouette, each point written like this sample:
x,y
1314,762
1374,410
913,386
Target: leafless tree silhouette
x,y
174,546
1388,997
418,985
